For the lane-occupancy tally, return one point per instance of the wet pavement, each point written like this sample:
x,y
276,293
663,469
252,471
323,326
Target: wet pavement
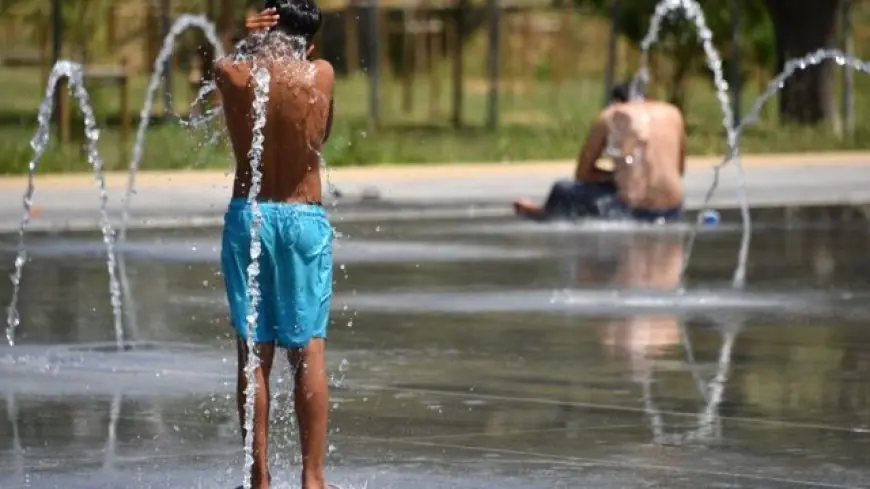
x,y
466,353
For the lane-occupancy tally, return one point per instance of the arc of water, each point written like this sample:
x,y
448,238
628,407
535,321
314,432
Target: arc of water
x,y
657,425
181,24
201,120
790,69
686,340
197,120
111,456
73,72
773,87
129,301
708,418
12,417
204,91
262,79
692,11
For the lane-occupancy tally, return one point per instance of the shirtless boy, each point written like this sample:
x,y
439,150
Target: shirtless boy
x,y
296,258
647,142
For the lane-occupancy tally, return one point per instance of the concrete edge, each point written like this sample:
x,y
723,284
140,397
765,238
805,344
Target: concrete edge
x,y
434,171
408,211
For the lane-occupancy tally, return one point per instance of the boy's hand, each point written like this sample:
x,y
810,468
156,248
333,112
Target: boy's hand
x,y
263,20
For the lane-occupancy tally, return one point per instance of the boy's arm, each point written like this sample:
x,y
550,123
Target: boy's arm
x,y
221,75
592,150
325,80
329,119
221,67
262,20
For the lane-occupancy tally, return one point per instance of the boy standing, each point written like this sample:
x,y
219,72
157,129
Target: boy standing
x,y
296,238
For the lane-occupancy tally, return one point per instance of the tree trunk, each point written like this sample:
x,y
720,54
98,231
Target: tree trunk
x,y
803,26
677,86
227,23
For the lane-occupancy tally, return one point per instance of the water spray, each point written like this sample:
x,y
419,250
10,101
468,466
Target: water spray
x,y
180,25
74,74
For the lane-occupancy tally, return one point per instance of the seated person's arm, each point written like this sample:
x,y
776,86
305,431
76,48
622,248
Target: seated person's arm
x,y
594,146
683,154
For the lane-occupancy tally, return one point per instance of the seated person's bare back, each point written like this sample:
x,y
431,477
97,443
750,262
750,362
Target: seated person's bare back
x,y
298,122
646,141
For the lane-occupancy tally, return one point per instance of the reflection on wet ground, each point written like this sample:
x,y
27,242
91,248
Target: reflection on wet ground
x,y
465,354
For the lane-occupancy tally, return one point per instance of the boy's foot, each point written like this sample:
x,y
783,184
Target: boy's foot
x,y
270,483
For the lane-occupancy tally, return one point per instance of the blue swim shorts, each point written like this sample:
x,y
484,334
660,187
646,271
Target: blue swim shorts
x,y
295,271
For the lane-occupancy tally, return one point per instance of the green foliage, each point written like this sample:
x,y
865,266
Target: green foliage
x,y
678,40
84,22
635,15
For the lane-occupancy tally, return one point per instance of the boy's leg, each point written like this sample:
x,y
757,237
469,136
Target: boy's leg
x,y
235,258
311,402
304,272
265,352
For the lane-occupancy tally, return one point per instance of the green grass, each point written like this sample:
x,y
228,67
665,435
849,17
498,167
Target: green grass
x,y
541,122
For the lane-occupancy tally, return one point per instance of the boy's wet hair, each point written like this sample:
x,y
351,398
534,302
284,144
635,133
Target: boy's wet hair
x,y
297,17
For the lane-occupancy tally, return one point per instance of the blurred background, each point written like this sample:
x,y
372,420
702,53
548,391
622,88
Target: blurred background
x,y
443,81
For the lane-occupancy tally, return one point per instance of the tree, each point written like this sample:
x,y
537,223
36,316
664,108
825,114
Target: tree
x,y
678,39
802,26
85,29
675,42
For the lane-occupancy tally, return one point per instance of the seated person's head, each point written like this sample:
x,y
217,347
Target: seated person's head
x,y
297,18
621,93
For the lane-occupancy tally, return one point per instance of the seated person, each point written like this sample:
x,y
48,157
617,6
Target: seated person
x,y
646,140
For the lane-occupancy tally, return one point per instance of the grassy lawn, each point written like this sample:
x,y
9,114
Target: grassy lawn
x,y
539,120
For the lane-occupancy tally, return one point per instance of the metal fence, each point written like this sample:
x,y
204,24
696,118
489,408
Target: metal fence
x,y
453,62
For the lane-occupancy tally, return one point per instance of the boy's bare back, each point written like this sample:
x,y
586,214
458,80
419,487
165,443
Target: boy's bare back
x,y
298,121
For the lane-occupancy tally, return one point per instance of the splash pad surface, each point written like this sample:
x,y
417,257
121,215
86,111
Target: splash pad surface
x,y
615,397
645,334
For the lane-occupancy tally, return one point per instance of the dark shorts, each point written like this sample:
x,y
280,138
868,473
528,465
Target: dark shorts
x,y
295,275
570,199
